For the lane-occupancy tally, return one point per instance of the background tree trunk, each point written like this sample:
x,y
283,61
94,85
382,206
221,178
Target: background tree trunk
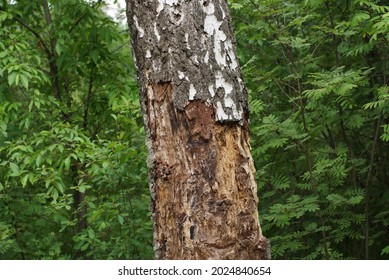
x,y
202,176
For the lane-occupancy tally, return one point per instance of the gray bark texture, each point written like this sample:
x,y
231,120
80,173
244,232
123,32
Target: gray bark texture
x,y
195,107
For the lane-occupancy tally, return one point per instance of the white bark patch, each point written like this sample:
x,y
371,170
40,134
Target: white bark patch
x,y
228,102
181,75
187,41
222,47
148,54
231,55
192,92
241,86
140,29
210,9
150,96
211,27
135,62
222,83
171,2
161,5
218,54
211,90
211,24
206,57
195,60
220,114
156,32
223,12
237,112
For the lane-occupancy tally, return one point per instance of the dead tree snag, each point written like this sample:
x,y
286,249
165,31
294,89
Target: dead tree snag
x,y
202,176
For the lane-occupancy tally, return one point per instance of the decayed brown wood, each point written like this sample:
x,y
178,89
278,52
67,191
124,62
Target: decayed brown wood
x,y
202,177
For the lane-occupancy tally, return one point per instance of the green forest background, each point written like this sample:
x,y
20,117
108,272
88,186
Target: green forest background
x,y
73,176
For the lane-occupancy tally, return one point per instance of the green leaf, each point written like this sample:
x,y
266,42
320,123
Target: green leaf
x,y
11,78
60,148
3,54
91,233
24,180
17,77
236,6
39,160
24,81
15,169
3,128
82,189
84,247
359,17
67,163
95,56
385,251
58,48
355,200
27,123
48,182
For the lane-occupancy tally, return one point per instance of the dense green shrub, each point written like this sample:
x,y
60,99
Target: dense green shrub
x,y
72,156
317,75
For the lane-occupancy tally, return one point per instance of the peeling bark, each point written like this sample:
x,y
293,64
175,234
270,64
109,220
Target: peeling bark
x,y
202,176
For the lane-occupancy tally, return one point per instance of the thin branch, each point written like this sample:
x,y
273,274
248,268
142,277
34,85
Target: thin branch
x,y
77,22
49,22
121,46
46,9
52,55
36,34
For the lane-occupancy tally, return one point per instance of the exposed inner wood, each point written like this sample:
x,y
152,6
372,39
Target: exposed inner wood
x,y
202,178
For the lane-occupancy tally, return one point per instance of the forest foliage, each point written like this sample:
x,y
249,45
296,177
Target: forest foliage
x,y
317,75
73,175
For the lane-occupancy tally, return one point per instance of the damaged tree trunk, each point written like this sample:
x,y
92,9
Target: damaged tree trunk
x,y
202,176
